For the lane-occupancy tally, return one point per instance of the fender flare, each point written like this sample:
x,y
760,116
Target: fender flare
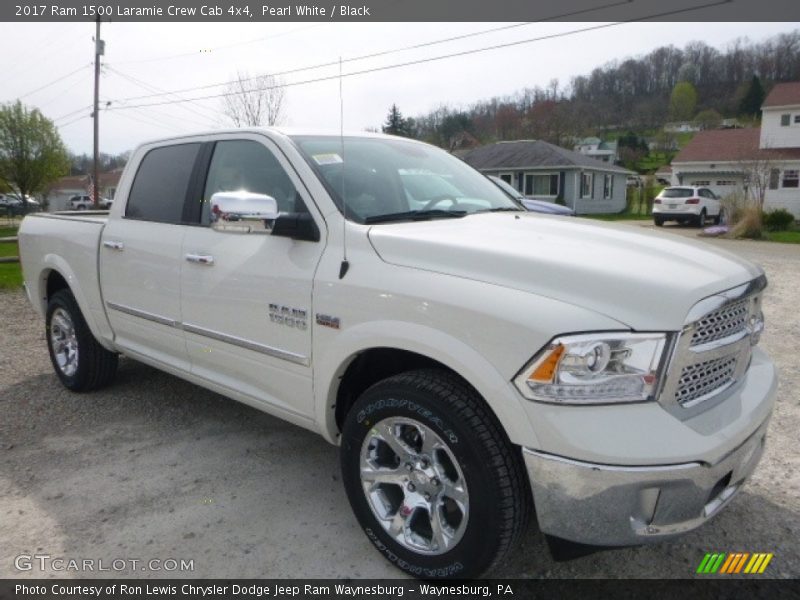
x,y
332,362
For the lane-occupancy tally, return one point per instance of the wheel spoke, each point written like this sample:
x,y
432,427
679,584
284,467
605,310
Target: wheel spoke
x,y
441,537
379,475
387,434
430,444
456,493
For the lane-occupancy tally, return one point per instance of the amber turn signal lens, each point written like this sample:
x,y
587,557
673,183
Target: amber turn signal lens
x,y
545,372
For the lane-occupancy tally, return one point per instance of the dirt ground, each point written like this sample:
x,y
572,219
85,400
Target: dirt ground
x,y
156,468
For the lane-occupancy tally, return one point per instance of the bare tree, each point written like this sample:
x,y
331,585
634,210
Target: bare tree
x,y
254,101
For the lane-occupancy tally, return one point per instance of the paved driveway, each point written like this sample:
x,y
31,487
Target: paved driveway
x,y
156,468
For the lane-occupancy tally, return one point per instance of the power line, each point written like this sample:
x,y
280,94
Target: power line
x,y
141,84
395,50
68,123
74,112
224,47
55,81
435,58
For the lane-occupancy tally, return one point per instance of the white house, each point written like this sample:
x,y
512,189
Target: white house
x,y
724,159
598,149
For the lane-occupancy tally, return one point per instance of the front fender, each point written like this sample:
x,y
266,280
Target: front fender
x,y
345,345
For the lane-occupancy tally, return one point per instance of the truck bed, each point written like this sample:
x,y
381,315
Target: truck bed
x,y
68,243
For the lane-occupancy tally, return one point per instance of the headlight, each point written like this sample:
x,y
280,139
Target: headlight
x,y
595,368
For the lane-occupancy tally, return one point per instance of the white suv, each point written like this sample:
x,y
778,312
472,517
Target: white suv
x,y
85,203
687,204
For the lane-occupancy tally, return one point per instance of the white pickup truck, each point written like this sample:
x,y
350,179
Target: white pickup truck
x,y
472,360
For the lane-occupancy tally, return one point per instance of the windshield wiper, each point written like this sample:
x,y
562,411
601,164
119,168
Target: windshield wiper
x,y
416,215
503,209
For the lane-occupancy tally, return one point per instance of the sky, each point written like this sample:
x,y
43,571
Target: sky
x,y
147,58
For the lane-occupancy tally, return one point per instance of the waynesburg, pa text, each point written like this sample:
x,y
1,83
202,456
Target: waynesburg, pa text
x,y
274,590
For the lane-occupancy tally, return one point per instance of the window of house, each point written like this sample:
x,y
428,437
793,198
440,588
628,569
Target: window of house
x,y
587,185
774,178
701,182
725,182
541,185
791,178
159,188
508,178
608,186
786,120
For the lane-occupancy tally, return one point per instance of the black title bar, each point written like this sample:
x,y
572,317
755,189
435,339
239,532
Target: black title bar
x,y
400,10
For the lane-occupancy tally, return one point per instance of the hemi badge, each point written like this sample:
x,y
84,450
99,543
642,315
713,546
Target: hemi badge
x,y
328,321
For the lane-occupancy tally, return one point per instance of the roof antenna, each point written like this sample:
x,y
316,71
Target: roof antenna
x,y
345,264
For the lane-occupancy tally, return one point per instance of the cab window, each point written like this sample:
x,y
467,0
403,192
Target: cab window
x,y
245,165
159,188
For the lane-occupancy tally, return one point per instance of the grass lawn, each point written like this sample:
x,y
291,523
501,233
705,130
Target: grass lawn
x,y
784,237
10,276
8,231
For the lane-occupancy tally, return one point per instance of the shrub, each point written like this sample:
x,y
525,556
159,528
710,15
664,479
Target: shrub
x,y
778,220
733,205
749,224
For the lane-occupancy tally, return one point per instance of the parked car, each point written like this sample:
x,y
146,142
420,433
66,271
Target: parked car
x,y
540,206
687,204
85,203
9,202
471,360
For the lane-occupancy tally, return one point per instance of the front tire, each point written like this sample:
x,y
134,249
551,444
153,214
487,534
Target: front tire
x,y
431,476
80,362
701,219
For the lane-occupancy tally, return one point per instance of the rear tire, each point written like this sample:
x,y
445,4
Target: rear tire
x,y
432,477
701,219
659,221
80,362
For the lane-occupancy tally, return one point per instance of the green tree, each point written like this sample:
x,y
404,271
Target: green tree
x,y
395,123
682,102
708,119
750,104
32,154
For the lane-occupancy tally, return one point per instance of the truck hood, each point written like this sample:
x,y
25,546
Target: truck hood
x,y
643,279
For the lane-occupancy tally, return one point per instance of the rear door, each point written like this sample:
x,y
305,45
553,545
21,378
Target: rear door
x,y
141,257
246,297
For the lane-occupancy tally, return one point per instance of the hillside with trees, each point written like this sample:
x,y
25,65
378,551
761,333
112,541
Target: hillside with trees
x,y
634,96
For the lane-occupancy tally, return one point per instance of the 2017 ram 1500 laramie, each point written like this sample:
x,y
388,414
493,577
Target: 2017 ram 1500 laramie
x,y
472,360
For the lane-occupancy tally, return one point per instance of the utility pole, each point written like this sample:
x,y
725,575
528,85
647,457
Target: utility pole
x,y
99,50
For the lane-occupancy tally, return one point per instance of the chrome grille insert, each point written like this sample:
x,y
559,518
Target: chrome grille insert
x,y
703,379
721,323
713,350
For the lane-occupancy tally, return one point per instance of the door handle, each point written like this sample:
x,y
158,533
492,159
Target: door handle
x,y
202,259
113,245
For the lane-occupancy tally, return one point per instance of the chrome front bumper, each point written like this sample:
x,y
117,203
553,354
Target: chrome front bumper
x,y
609,505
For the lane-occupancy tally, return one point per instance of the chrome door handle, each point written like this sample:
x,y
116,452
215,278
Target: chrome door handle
x,y
202,259
113,245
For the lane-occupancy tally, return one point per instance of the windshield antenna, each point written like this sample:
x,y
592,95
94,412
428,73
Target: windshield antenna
x,y
345,264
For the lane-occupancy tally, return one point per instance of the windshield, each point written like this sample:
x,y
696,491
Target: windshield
x,y
506,187
677,193
398,180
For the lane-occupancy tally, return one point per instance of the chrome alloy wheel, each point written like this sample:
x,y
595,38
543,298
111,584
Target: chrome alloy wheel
x,y
414,485
64,342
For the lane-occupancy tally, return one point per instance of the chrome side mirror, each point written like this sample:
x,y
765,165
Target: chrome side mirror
x,y
243,212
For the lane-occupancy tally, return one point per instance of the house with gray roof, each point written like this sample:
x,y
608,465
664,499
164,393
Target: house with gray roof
x,y
544,171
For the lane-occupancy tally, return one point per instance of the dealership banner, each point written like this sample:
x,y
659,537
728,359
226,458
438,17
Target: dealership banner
x,y
390,589
401,10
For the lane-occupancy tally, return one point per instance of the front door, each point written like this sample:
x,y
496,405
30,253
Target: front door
x,y
246,298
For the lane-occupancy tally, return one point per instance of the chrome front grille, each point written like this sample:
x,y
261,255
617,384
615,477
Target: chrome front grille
x,y
701,379
713,350
721,323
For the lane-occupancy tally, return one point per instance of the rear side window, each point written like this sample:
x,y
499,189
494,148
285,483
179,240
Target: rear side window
x,y
677,193
159,188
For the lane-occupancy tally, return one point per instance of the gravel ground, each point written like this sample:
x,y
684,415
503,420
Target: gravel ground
x,y
156,468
